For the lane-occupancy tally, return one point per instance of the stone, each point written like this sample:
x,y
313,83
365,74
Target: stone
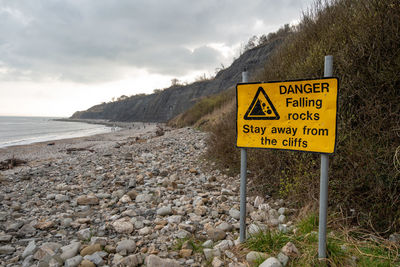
x,y
30,249
154,261
282,218
234,213
258,201
70,250
44,225
283,259
132,194
164,211
254,256
125,199
184,253
395,238
5,237
145,231
217,262
208,253
143,198
28,261
271,262
96,258
73,262
254,229
7,249
224,226
90,249
87,263
84,234
236,264
87,200
200,210
130,261
215,234
47,250
182,234
282,211
290,250
208,244
125,247
283,228
224,245
122,226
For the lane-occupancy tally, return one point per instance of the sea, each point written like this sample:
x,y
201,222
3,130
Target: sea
x,y
27,130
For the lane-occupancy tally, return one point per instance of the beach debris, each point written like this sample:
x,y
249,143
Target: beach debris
x,y
11,163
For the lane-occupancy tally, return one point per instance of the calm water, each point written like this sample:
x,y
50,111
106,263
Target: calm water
x,y
27,130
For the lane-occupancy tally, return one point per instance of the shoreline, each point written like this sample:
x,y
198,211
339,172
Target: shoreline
x,y
54,149
108,123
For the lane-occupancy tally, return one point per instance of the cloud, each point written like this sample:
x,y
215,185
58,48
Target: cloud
x,y
90,41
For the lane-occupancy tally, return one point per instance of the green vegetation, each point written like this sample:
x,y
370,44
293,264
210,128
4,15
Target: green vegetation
x,y
204,107
342,247
189,241
363,36
267,241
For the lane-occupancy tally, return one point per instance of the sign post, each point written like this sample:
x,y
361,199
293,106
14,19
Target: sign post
x,y
243,172
323,190
298,115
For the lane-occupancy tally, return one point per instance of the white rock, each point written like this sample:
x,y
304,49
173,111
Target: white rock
x,y
208,253
182,234
208,244
283,258
30,249
84,234
143,198
73,262
283,228
145,231
125,247
271,262
96,258
125,199
234,213
224,245
254,256
282,218
70,250
254,229
258,201
282,211
154,261
174,219
217,262
163,211
123,226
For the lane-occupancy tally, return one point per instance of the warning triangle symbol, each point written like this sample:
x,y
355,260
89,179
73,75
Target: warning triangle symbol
x,y
261,108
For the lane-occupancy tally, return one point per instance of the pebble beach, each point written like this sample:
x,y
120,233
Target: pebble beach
x,y
135,197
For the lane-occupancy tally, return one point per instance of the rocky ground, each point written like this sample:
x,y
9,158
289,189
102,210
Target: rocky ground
x,y
130,200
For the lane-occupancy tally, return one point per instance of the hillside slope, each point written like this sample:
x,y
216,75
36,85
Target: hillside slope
x,y
164,105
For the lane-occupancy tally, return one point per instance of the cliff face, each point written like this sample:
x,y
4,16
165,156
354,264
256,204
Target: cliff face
x,y
164,105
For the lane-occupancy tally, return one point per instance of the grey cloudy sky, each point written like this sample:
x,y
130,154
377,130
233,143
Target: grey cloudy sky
x,y
59,56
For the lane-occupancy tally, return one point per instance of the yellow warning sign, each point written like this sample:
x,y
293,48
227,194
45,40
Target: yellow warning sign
x,y
293,115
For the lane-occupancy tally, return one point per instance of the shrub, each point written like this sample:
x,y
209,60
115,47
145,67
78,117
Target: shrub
x,y
363,36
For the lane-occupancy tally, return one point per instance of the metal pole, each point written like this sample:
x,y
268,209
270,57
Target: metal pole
x,y
323,190
243,172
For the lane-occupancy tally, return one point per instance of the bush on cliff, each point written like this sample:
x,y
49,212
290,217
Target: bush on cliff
x,y
363,36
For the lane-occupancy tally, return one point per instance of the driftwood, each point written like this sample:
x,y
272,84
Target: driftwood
x,y
11,163
73,149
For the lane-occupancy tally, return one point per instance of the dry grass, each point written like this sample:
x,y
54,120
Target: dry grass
x,y
363,36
